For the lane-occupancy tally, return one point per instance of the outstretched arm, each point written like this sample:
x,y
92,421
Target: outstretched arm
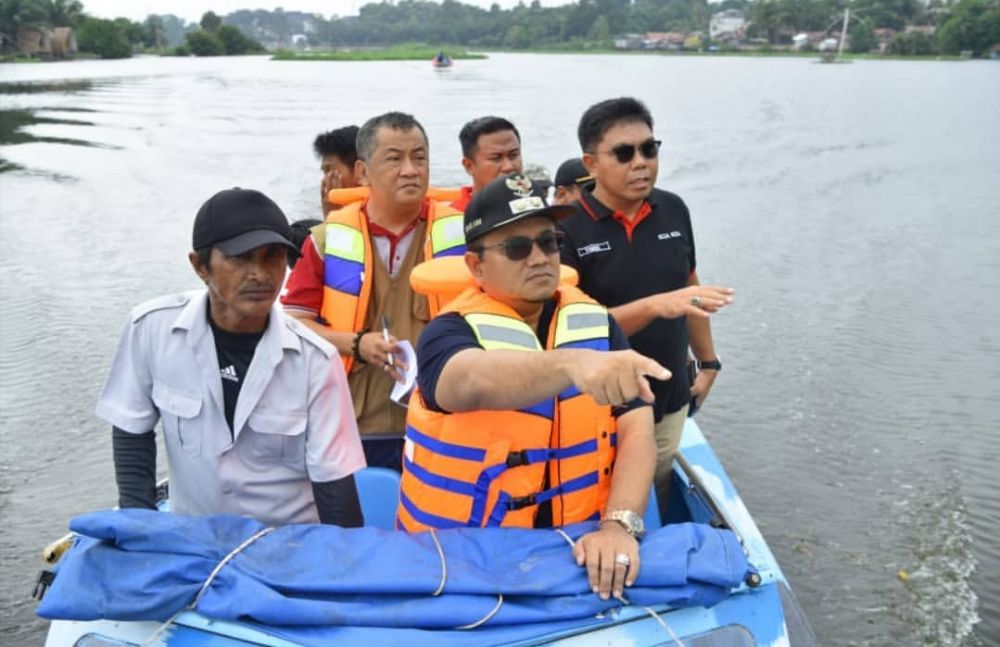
x,y
469,381
695,301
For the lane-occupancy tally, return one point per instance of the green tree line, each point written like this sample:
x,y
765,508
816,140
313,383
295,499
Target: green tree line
x,y
960,25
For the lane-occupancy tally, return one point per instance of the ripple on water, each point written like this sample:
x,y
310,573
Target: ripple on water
x,y
939,603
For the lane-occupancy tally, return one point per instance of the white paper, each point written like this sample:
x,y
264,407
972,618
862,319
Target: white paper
x,y
401,390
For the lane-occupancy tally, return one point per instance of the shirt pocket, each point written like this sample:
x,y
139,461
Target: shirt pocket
x,y
178,411
421,309
276,436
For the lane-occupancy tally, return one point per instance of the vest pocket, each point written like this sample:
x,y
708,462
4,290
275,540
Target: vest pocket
x,y
273,436
177,413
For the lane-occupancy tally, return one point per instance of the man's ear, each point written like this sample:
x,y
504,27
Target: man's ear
x,y
198,268
468,165
475,265
361,173
588,162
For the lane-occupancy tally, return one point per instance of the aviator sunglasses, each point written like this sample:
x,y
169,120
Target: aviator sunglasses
x,y
625,152
518,248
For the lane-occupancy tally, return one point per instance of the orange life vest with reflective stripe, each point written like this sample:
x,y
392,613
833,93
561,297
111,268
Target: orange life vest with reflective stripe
x,y
488,468
348,258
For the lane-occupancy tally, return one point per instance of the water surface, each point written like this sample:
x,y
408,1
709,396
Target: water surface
x,y
853,208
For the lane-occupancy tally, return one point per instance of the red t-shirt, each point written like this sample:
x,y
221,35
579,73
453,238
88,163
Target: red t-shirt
x,y
462,202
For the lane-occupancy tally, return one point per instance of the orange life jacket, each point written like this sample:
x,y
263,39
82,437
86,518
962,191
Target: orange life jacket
x,y
348,257
487,468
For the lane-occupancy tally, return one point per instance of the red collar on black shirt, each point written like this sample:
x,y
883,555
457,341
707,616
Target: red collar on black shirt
x,y
598,210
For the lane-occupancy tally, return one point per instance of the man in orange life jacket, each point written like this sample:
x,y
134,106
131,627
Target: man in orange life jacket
x,y
355,270
528,397
491,147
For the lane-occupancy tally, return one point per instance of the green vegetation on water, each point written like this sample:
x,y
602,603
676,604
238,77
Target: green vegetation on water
x,y
394,53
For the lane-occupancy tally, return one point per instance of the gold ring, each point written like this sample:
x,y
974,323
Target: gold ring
x,y
696,302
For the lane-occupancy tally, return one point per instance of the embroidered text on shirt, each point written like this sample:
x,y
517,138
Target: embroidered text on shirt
x,y
593,248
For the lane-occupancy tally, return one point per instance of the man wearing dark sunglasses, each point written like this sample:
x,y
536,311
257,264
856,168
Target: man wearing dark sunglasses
x,y
633,247
532,384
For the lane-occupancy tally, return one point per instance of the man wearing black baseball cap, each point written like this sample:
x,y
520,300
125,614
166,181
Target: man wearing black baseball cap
x,y
257,419
532,384
571,178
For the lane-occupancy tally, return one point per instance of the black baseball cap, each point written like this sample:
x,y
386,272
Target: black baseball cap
x,y
505,200
572,171
237,220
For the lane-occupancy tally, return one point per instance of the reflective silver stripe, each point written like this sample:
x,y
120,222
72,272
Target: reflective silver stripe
x,y
586,320
489,332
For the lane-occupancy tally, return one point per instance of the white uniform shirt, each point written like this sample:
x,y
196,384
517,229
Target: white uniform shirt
x,y
293,423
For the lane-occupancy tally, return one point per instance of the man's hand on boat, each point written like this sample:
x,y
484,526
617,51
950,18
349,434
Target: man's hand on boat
x,y
601,552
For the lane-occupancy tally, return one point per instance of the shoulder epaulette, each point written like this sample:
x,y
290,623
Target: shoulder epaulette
x,y
311,337
159,303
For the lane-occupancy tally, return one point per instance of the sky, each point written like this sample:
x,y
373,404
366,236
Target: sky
x,y
191,10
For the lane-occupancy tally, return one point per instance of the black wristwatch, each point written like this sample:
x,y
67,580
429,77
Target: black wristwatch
x,y
712,365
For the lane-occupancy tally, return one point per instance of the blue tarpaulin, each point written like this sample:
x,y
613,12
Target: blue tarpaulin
x,y
145,565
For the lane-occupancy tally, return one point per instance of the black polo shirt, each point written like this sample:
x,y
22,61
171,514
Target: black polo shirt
x,y
619,263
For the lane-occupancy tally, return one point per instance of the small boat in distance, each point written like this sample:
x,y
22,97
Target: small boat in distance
x,y
441,60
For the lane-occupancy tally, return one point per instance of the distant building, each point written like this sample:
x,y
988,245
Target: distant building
x,y
927,30
884,36
62,42
673,40
725,25
828,44
58,42
628,41
300,41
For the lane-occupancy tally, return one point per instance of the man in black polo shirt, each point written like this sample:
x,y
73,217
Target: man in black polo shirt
x,y
634,249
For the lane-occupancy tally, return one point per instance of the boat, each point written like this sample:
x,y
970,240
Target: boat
x,y
760,609
441,60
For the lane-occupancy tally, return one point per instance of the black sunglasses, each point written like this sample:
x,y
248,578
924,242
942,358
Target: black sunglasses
x,y
518,248
625,152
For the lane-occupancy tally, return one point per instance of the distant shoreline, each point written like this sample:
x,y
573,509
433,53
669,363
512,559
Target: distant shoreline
x,y
395,53
426,54
730,54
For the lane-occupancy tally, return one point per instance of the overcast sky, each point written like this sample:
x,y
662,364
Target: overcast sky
x,y
191,10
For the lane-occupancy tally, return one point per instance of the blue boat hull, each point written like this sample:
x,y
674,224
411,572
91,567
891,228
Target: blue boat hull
x,y
702,493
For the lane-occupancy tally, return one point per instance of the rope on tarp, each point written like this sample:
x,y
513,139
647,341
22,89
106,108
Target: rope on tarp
x,y
444,564
225,560
487,617
563,534
204,587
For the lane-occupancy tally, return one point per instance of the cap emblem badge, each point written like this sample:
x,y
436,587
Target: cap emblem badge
x,y
520,185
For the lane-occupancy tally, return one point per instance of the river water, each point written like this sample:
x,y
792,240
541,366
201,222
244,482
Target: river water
x,y
853,208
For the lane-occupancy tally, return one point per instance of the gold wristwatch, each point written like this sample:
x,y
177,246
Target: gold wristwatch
x,y
630,521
